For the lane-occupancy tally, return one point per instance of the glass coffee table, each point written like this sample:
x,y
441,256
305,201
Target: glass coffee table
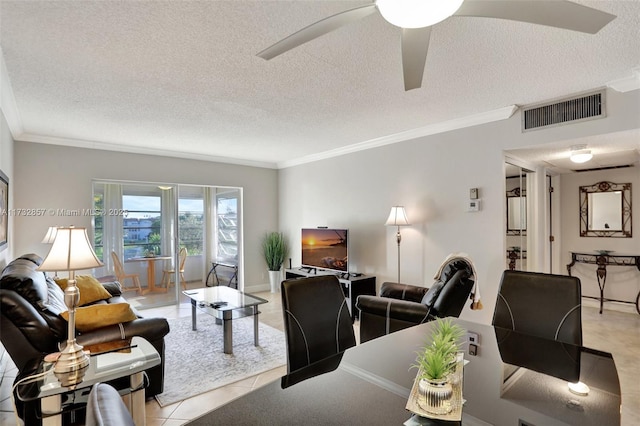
x,y
225,304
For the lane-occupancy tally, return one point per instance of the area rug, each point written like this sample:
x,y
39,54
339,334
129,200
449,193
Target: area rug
x,y
195,363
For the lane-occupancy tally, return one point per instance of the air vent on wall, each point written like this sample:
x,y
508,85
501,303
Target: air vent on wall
x,y
587,107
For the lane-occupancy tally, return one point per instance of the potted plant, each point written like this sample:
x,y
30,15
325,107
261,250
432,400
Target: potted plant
x,y
275,249
436,363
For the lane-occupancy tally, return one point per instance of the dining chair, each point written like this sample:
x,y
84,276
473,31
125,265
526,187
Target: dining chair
x,y
542,305
121,275
317,322
168,273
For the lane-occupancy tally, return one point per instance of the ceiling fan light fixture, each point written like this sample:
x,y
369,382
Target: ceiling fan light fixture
x,y
579,154
417,13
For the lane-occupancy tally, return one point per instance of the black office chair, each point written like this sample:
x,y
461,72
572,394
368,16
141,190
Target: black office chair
x,y
317,322
542,305
105,407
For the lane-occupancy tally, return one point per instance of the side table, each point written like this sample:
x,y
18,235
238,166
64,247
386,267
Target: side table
x,y
105,367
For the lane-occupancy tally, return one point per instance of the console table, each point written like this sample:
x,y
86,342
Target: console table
x,y
353,285
604,260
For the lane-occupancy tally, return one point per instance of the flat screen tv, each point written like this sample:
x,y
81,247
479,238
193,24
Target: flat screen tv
x,y
325,248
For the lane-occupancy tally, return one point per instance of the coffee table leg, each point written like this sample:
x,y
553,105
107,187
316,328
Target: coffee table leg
x,y
194,327
256,339
227,332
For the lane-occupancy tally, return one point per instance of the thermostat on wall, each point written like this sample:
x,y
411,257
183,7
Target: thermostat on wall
x,y
474,205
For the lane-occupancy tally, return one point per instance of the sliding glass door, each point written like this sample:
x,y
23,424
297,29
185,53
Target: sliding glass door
x,y
165,234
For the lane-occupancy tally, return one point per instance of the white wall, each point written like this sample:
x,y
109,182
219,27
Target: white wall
x,y
623,283
431,176
57,177
6,165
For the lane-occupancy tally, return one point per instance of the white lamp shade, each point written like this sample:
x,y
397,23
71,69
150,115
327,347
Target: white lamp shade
x,y
71,251
417,13
50,236
397,217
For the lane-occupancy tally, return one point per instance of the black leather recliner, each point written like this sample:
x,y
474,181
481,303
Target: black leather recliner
x,y
401,306
29,330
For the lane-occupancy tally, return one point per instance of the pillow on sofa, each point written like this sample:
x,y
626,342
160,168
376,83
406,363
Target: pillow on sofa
x,y
91,317
90,289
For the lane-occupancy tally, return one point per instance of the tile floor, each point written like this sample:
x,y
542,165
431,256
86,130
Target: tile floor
x,y
617,331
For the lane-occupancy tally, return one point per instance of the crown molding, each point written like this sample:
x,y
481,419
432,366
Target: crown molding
x,y
626,84
105,146
432,129
8,101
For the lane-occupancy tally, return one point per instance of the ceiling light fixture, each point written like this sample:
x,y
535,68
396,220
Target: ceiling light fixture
x,y
579,154
417,13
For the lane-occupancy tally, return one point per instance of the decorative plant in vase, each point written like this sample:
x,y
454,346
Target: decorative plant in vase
x,y
275,249
436,363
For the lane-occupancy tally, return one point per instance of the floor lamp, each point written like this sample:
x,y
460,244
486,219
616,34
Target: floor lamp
x,y
71,251
398,217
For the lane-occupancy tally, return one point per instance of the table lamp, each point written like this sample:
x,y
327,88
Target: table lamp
x,y
398,217
50,236
71,251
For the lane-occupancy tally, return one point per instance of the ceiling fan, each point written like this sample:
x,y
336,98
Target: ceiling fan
x,y
415,18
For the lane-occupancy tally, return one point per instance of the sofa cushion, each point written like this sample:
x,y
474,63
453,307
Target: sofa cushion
x,y
97,316
91,290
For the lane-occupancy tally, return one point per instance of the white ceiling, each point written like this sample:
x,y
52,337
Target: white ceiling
x,y
181,77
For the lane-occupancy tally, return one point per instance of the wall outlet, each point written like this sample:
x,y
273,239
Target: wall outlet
x,y
474,206
473,338
473,349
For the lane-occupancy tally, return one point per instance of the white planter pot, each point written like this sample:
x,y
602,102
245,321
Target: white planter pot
x,y
275,277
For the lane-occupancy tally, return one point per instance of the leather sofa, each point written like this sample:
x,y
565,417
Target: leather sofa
x,y
401,306
29,329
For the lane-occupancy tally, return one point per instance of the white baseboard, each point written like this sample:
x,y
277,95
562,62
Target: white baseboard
x,y
257,288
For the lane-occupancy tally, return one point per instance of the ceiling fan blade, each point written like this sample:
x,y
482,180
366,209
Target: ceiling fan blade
x,y
554,13
415,45
317,29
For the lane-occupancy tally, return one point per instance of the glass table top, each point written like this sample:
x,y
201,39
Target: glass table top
x,y
510,380
140,356
224,298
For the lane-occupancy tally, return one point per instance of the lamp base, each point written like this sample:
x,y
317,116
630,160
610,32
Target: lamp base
x,y
71,365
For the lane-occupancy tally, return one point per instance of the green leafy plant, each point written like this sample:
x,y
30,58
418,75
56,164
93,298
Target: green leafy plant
x,y
275,249
437,359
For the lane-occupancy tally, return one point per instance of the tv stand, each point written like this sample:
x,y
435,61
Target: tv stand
x,y
353,284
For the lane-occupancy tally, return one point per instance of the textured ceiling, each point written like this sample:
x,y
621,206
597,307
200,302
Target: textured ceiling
x,y
182,76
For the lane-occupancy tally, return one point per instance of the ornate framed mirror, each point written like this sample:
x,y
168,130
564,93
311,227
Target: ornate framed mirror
x,y
516,212
605,210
